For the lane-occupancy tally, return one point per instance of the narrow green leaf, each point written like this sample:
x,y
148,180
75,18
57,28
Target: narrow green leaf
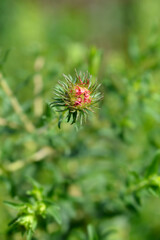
x,y
108,233
91,233
137,199
13,205
132,207
54,211
60,121
12,222
153,167
29,234
4,59
69,116
74,117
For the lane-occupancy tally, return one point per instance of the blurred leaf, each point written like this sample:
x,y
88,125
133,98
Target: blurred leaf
x,y
54,211
154,191
153,167
133,50
91,233
131,207
108,233
13,221
29,234
95,58
137,199
14,205
60,121
74,117
5,57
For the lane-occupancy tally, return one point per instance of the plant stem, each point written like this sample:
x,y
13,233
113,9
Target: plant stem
x,y
38,87
137,187
16,106
36,157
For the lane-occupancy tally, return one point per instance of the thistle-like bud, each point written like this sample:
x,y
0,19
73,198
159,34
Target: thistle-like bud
x,y
76,97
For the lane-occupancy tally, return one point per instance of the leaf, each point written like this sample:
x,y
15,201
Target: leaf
x,y
153,192
34,183
60,121
131,207
69,116
137,199
29,234
153,167
34,224
74,117
108,233
13,205
133,49
12,222
91,233
54,211
135,175
4,59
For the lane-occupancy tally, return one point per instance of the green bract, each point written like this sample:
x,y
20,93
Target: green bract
x,y
76,98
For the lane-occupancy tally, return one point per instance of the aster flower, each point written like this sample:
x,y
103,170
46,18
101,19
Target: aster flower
x,y
76,98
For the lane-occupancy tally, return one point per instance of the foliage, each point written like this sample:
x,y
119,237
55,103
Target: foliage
x,y
102,181
31,212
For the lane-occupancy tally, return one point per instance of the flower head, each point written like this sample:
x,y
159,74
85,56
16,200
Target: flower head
x,y
76,97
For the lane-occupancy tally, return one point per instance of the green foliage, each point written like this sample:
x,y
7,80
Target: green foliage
x,y
101,182
30,213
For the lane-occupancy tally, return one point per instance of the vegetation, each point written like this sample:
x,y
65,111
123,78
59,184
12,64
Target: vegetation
x,y
96,179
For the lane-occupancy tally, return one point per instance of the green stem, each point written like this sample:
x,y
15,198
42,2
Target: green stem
x,y
137,187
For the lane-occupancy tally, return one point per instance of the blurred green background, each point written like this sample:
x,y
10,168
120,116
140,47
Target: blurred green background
x,y
118,41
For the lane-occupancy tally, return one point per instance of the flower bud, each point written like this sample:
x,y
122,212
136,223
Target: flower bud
x,y
27,221
76,97
41,209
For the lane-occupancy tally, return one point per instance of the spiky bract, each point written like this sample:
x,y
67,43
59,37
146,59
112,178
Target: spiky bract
x,y
76,97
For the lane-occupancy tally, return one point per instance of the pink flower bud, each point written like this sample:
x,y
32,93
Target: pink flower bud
x,y
76,97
